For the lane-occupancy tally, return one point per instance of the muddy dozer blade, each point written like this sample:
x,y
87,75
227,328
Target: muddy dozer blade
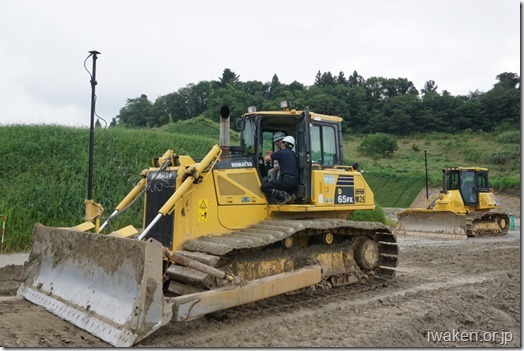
x,y
108,286
431,224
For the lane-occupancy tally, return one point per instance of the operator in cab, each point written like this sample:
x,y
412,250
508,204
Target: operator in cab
x,y
273,173
278,191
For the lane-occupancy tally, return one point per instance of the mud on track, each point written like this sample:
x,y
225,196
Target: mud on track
x,y
470,286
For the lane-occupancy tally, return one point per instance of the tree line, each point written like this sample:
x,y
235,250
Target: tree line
x,y
372,105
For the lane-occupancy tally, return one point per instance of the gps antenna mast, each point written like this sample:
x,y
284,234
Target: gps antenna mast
x,y
93,210
92,127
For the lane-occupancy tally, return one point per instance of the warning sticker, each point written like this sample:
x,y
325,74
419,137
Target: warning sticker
x,y
202,210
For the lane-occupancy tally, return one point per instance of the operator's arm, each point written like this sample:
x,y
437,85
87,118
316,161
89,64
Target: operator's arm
x,y
267,158
270,156
276,156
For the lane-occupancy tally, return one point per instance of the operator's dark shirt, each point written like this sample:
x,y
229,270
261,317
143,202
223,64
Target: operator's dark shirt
x,y
287,161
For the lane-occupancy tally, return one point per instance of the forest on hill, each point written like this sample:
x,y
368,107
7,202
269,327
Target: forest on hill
x,y
367,105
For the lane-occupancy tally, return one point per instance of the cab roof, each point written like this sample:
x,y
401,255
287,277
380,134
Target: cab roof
x,y
295,114
476,169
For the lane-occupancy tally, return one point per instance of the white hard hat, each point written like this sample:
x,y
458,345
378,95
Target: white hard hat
x,y
289,139
278,136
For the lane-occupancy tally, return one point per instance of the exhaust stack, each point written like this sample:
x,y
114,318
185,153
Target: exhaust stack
x,y
224,130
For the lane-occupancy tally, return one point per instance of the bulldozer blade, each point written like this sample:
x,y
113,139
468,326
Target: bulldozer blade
x,y
431,224
108,286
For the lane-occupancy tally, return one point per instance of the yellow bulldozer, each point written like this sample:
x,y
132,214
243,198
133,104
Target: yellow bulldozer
x,y
210,239
466,206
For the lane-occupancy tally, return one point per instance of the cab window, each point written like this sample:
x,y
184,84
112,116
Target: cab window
x,y
482,181
248,136
323,145
467,186
454,181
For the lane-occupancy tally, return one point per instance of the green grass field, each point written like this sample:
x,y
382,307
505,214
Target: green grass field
x,y
43,171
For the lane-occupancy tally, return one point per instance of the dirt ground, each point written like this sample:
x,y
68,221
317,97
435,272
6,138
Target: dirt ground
x,y
445,293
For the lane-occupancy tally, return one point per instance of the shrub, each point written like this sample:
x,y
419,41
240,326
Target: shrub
x,y
378,145
505,157
509,137
504,184
505,126
474,156
376,215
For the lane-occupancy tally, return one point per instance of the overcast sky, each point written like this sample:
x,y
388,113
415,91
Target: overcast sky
x,y
156,47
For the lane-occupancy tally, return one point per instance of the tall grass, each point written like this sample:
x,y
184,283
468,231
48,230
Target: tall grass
x,y
394,190
200,126
43,172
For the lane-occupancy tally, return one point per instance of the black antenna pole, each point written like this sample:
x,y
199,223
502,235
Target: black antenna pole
x,y
426,166
92,128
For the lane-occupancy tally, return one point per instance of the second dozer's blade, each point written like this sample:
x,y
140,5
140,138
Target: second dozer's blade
x,y
431,224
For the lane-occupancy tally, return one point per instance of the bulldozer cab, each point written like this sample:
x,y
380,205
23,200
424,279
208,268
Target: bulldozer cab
x,y
318,141
469,182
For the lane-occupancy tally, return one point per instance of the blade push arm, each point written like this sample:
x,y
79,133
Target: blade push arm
x,y
193,174
126,201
